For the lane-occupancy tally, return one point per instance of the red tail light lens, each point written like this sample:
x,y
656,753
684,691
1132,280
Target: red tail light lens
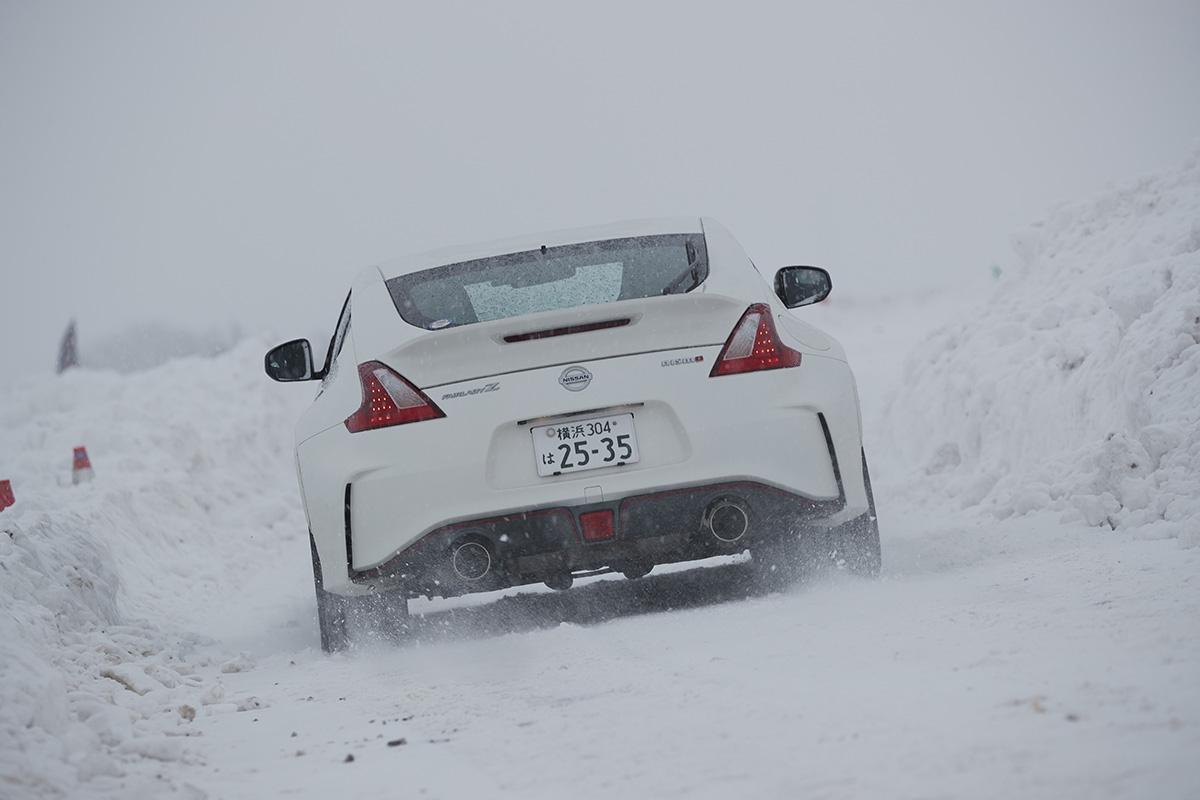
x,y
754,345
597,525
388,400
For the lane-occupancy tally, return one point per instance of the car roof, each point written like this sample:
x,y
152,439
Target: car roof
x,y
615,230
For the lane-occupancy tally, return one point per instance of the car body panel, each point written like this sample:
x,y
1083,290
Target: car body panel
x,y
477,351
775,428
692,429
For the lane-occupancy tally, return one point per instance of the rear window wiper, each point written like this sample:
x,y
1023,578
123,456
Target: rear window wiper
x,y
692,271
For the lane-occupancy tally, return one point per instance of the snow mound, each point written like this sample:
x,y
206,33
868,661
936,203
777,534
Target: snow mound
x,y
102,583
1076,387
150,344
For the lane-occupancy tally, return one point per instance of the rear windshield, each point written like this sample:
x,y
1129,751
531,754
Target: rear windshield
x,y
551,278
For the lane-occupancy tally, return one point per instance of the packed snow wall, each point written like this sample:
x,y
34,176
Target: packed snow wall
x,y
100,582
1076,386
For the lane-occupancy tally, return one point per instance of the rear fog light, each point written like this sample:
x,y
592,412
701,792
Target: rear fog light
x,y
597,525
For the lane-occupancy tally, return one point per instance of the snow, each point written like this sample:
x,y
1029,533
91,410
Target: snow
x,y
1034,633
103,583
945,678
147,345
1074,387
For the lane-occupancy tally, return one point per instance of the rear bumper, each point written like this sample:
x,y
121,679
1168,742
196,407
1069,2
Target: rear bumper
x,y
377,499
544,544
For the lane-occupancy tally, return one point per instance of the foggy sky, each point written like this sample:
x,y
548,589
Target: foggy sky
x,y
207,164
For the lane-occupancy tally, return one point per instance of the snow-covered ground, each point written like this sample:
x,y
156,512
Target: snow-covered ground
x,y
1036,631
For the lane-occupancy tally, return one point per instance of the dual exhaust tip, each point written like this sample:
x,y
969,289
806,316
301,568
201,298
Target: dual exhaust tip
x,y
471,560
727,519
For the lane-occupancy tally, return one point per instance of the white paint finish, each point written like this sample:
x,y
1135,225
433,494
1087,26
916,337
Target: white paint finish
x,y
475,462
693,429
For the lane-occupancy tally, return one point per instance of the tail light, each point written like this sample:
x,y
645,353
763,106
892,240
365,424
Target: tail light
x,y
388,400
754,345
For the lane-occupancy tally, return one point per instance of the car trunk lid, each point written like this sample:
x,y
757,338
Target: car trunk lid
x,y
564,336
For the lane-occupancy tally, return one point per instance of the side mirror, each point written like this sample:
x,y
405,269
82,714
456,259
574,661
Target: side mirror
x,y
291,361
802,286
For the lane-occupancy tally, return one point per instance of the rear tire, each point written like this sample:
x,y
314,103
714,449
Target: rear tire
x,y
331,609
856,543
785,560
384,613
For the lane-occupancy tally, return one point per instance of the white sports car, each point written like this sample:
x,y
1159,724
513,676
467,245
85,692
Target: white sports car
x,y
573,403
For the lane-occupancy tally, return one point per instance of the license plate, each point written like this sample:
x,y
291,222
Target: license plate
x,y
585,444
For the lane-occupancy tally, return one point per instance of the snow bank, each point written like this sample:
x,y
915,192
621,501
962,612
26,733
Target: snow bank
x,y
100,583
1076,387
150,344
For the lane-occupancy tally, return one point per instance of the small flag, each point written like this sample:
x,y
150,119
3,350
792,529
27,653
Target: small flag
x,y
6,495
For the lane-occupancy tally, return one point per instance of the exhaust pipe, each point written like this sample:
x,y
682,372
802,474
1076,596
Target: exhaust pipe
x,y
471,560
726,519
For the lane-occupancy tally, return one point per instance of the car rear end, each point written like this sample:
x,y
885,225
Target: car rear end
x,y
612,427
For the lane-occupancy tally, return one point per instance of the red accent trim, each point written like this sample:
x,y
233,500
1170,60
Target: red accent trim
x,y
704,487
567,331
457,526
370,572
472,523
